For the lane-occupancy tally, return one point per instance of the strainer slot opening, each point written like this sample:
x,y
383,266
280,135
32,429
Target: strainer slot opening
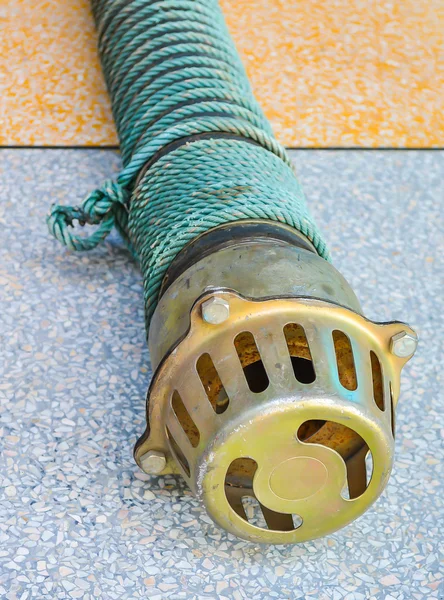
x,y
300,354
345,360
185,420
251,362
213,386
253,511
378,382
349,445
392,411
242,499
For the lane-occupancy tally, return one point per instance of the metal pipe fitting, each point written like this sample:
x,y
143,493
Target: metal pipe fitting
x,y
273,396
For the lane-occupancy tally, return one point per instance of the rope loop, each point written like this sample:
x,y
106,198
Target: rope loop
x,y
102,207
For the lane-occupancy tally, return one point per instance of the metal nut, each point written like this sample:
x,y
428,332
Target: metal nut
x,y
153,462
215,311
403,344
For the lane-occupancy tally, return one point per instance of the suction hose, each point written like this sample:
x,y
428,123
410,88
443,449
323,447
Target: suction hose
x,y
257,341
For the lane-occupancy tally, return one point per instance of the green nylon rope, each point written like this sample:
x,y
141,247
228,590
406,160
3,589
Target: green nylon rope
x,y
185,113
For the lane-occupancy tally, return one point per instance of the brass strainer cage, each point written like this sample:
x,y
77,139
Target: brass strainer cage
x,y
278,411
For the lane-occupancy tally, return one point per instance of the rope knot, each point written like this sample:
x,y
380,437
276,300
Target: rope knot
x,y
102,207
99,202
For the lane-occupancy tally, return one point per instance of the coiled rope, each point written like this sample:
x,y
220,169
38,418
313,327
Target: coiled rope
x,y
196,148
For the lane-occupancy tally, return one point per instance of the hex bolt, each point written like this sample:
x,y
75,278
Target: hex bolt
x,y
215,310
153,462
403,344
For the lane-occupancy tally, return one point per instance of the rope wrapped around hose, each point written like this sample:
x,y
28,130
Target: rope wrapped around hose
x,y
197,150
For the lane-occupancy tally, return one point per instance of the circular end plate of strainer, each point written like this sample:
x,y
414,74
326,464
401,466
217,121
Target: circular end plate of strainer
x,y
300,488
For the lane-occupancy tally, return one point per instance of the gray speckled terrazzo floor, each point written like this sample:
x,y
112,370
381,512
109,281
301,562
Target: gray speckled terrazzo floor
x,y
77,517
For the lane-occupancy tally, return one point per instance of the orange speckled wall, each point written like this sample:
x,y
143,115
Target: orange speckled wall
x,y
327,72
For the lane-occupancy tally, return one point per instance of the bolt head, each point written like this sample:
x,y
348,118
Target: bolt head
x,y
215,310
153,462
403,344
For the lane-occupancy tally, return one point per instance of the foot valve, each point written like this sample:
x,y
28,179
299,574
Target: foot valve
x,y
273,396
